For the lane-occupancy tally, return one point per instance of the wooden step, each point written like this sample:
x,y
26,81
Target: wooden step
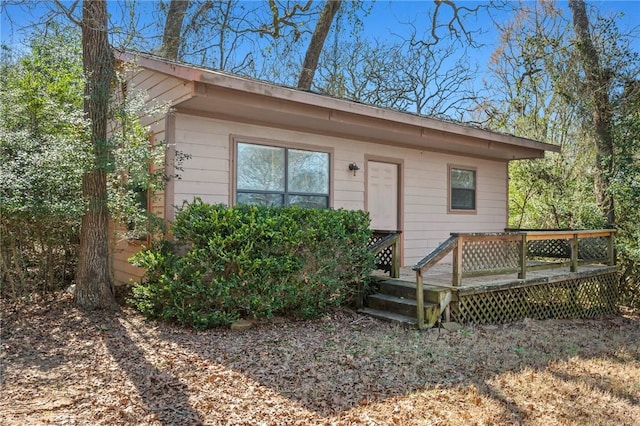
x,y
389,316
398,298
400,305
435,287
407,290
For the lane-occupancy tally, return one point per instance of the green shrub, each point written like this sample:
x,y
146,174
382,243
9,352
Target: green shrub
x,y
42,157
253,261
44,152
629,261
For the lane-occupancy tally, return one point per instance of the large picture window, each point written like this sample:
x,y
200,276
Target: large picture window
x,y
280,176
462,189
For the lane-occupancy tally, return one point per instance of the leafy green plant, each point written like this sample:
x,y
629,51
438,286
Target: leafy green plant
x,y
253,261
44,152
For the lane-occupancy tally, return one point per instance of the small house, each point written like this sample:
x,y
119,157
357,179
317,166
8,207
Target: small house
x,y
257,142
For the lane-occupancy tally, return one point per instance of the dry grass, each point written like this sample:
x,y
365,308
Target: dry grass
x,y
64,366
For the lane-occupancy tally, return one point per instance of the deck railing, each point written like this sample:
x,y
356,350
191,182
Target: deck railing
x,y
477,254
385,246
427,262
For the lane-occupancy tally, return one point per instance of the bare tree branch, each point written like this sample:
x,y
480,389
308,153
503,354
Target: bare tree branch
x,y
455,25
68,11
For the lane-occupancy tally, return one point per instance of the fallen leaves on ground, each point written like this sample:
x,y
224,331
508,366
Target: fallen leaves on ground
x,y
61,365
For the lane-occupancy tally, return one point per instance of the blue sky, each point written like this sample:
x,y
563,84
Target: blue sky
x,y
387,15
384,18
387,21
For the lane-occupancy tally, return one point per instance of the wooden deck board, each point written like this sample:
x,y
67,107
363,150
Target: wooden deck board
x,y
441,275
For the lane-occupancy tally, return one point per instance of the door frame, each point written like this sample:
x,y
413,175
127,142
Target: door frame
x,y
390,160
400,202
400,163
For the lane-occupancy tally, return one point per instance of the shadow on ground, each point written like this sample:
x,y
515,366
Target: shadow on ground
x,y
57,357
63,365
343,361
162,393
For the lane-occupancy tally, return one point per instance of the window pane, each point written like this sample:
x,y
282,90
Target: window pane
x,y
463,179
260,167
463,199
260,198
316,201
308,171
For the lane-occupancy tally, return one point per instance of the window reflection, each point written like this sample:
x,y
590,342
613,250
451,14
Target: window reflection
x,y
260,167
463,189
272,176
308,171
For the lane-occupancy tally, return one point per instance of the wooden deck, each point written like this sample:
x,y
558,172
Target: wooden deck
x,y
441,275
499,277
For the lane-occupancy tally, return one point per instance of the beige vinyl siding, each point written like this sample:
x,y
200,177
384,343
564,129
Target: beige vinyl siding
x,y
124,272
206,173
426,222
160,88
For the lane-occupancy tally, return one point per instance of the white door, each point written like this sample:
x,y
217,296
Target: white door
x,y
382,195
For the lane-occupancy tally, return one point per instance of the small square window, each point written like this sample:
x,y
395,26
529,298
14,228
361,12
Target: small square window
x,y
462,189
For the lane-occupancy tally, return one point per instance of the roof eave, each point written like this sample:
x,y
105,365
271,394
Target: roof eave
x,y
247,85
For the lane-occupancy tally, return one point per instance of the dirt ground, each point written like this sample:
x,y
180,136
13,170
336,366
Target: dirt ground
x,y
60,365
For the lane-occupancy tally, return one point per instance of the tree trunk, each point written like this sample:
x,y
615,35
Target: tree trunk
x,y
173,29
597,84
94,288
317,42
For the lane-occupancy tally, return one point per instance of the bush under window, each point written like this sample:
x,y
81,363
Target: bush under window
x,y
253,261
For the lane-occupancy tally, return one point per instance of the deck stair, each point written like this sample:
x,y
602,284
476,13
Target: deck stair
x,y
395,301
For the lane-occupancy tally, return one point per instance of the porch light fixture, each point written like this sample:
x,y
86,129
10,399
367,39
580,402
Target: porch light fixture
x,y
354,168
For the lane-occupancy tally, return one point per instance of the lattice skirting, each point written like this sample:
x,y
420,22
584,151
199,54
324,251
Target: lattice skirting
x,y
583,297
384,259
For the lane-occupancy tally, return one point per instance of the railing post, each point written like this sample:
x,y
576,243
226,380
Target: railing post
x,y
360,295
395,259
611,251
523,257
420,299
457,263
574,253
